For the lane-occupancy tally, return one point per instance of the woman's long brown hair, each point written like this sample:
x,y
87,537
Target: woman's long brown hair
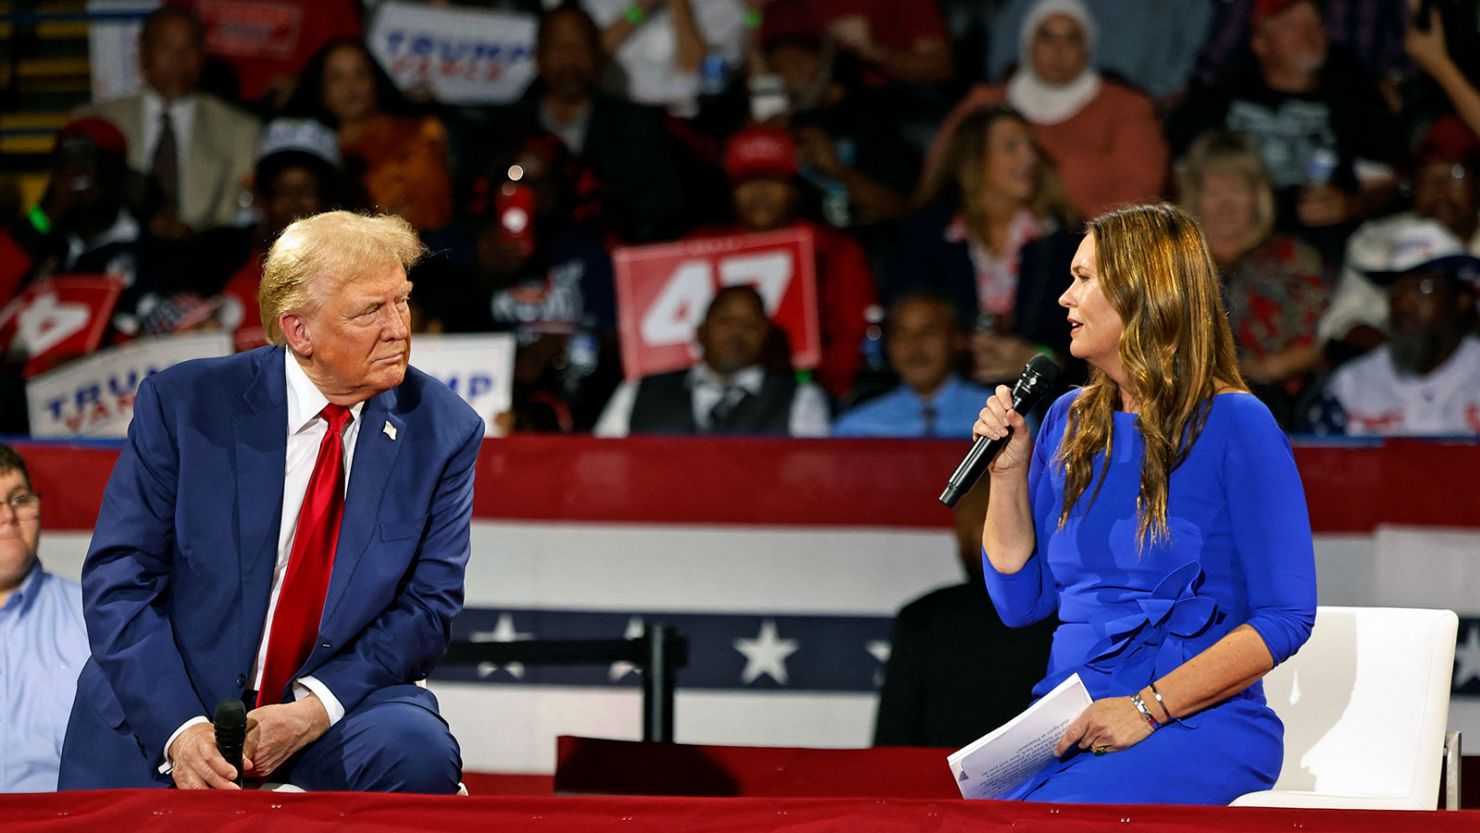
x,y
960,180
1176,351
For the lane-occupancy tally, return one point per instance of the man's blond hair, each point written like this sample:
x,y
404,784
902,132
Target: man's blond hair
x,y
335,245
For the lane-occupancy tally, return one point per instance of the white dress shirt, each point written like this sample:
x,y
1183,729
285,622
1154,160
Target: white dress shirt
x,y
305,431
808,417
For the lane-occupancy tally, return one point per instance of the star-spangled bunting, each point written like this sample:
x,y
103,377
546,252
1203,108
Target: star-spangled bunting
x,y
766,654
502,632
1467,657
878,649
622,668
846,650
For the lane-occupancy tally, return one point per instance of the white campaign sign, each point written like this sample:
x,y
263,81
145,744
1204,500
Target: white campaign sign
x,y
113,46
94,396
465,56
478,367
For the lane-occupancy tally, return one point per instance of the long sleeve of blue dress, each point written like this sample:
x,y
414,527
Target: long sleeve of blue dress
x,y
1271,529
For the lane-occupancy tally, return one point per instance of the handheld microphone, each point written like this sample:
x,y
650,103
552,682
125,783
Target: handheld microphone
x,y
231,732
1034,382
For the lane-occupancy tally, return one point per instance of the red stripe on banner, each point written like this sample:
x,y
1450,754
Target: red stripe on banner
x,y
126,811
868,483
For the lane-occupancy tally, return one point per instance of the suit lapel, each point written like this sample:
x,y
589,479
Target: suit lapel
x,y
198,185
261,424
131,122
375,456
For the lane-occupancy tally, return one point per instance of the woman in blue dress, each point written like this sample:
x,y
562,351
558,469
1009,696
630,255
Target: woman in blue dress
x,y
1160,514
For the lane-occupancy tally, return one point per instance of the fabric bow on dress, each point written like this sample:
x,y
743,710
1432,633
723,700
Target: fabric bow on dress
x,y
1139,647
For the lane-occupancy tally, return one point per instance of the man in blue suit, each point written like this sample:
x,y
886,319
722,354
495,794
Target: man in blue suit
x,y
289,526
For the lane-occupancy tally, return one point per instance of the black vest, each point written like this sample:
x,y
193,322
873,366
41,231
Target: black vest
x,y
665,405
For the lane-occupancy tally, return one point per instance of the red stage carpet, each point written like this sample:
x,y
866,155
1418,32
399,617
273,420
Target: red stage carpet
x,y
126,811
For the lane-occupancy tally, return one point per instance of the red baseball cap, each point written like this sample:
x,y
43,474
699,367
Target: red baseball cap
x,y
761,151
1263,9
97,130
1448,140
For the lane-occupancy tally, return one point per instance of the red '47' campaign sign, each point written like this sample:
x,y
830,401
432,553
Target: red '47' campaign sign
x,y
663,291
58,318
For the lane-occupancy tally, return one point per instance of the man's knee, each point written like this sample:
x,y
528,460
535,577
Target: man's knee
x,y
408,749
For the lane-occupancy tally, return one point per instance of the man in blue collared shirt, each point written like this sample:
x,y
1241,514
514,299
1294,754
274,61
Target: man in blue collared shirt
x,y
923,342
43,641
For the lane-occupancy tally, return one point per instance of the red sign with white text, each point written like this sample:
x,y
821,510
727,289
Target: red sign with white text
x,y
58,318
664,290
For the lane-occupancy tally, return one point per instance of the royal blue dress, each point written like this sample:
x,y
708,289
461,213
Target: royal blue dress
x,y
1240,553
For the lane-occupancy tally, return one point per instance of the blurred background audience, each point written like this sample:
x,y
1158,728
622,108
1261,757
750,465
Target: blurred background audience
x,y
941,155
1274,285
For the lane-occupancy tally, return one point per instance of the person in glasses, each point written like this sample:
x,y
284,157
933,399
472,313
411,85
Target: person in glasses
x,y
44,637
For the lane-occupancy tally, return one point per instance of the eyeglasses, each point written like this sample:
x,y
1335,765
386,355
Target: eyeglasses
x,y
26,505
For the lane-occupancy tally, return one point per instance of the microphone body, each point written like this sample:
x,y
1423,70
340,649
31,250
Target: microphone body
x,y
231,732
1035,381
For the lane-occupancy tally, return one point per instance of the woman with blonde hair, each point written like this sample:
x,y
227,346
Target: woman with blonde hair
x,y
1161,516
991,237
1274,284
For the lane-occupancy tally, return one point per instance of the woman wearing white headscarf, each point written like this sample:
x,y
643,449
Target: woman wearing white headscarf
x,y
1103,136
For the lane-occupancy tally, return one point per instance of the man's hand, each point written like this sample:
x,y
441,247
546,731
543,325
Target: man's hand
x,y
197,764
852,33
816,148
275,733
1427,49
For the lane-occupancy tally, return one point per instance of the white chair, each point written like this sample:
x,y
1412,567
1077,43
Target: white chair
x,y
1365,703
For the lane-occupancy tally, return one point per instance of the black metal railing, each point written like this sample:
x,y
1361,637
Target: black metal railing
x,y
658,654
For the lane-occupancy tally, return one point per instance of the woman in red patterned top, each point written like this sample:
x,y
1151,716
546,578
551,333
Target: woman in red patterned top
x,y
1275,286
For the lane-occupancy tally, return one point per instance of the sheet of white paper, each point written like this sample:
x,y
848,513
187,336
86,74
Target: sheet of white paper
x,y
1001,760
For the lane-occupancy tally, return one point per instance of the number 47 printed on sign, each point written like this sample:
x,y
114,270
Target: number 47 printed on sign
x,y
663,292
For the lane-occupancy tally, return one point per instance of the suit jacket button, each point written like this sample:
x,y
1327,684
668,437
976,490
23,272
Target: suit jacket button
x,y
241,680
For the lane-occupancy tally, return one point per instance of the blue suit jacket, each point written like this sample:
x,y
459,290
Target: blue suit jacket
x,y
176,582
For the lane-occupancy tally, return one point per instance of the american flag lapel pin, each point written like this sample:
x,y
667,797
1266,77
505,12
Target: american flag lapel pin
x,y
390,430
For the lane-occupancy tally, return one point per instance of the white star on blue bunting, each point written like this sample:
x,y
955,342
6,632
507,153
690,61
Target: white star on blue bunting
x,y
766,654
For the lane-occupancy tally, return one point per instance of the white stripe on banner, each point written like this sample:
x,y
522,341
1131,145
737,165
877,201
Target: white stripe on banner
x,y
749,569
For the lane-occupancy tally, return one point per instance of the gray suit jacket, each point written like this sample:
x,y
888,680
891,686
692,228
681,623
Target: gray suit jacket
x,y
216,174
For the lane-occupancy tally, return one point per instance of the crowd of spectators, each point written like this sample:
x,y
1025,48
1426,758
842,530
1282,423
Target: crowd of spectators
x,y
943,154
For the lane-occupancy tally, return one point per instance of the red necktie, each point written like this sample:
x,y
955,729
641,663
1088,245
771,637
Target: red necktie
x,y
295,621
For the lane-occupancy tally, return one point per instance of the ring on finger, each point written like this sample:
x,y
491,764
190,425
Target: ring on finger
x,y
1099,749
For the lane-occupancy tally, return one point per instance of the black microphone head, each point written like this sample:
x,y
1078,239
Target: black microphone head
x,y
230,713
1036,379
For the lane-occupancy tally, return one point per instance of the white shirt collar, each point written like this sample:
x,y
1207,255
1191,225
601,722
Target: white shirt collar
x,y
125,229
305,400
750,379
184,106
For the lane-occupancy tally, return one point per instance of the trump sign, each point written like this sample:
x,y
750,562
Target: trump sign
x,y
478,367
94,396
465,56
664,290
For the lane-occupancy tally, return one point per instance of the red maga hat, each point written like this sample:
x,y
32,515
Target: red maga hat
x,y
97,130
761,151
